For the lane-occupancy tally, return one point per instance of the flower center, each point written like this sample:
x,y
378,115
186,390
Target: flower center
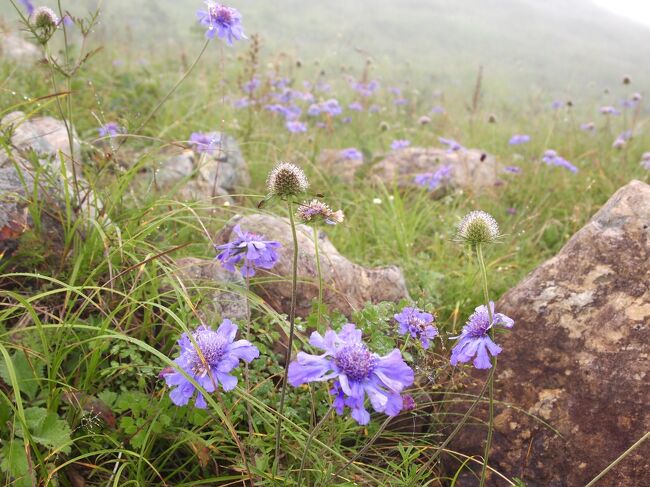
x,y
212,347
416,325
478,328
221,15
355,361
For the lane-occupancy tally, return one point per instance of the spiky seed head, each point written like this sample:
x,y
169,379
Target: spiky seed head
x,y
384,127
286,180
45,18
627,80
492,118
478,227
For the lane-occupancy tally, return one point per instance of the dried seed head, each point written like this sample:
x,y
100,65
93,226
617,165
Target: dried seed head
x,y
478,227
492,118
286,180
626,80
384,127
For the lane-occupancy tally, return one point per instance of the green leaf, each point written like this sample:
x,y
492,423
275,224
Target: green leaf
x,y
48,429
26,375
14,462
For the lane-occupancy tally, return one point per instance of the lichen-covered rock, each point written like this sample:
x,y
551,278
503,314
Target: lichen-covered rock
x,y
333,164
221,294
17,49
578,357
468,169
195,176
348,286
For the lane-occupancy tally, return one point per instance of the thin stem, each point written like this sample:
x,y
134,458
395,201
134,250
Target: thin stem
x,y
292,321
621,457
488,443
320,279
308,444
247,379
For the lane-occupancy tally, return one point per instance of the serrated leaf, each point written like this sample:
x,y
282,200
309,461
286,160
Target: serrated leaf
x,y
14,462
27,377
47,429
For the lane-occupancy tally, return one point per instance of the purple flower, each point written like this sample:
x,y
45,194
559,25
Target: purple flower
x,y
588,127
622,139
400,101
418,324
557,104
332,107
366,89
432,180
111,129
452,145
552,158
251,85
511,211
356,106
357,372
512,169
296,127
351,154
242,102
437,109
29,7
395,90
205,142
249,249
374,109
474,342
208,358
518,139
400,144
222,21
609,110
645,160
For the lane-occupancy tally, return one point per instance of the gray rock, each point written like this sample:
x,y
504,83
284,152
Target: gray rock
x,y
471,169
17,49
333,165
221,294
348,286
578,357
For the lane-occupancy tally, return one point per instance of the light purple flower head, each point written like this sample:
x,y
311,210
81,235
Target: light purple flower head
x,y
418,324
222,21
609,110
296,127
111,129
366,89
374,109
432,180
452,145
351,154
552,158
622,139
331,107
557,104
209,361
29,6
250,250
356,106
512,169
519,139
356,371
438,109
645,160
588,127
251,85
474,342
400,144
400,102
205,141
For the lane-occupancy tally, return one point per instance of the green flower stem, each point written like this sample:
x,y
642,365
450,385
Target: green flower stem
x,y
308,444
292,322
320,279
488,443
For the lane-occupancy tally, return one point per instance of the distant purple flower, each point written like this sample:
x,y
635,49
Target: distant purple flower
x,y
631,103
67,20
323,87
474,342
609,110
552,158
111,129
512,169
452,145
29,7
209,361
205,141
314,110
557,104
242,102
366,89
251,85
249,249
356,106
296,127
222,21
400,144
346,120
351,154
357,372
395,90
400,101
374,109
418,324
622,139
321,125
433,180
645,160
588,127
437,109
519,139
511,211
331,107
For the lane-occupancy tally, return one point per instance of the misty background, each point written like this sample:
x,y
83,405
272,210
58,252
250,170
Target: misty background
x,y
560,47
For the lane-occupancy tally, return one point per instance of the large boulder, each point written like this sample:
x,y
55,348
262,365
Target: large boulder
x,y
347,286
17,49
577,362
195,176
469,169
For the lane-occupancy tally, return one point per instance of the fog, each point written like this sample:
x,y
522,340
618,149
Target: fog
x,y
555,45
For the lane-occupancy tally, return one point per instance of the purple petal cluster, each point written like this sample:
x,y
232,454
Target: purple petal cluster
x,y
512,169
366,89
29,7
609,110
222,21
400,144
519,139
250,250
452,145
432,180
296,127
111,129
330,107
418,324
552,158
588,127
357,372
645,160
205,142
622,139
351,154
208,357
475,343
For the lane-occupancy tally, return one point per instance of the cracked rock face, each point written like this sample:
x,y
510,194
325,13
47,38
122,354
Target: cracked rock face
x,y
347,286
470,169
578,357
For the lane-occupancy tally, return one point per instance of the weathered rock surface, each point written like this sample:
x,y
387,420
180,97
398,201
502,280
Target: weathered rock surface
x,y
578,357
471,169
14,47
332,163
348,286
195,176
222,293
